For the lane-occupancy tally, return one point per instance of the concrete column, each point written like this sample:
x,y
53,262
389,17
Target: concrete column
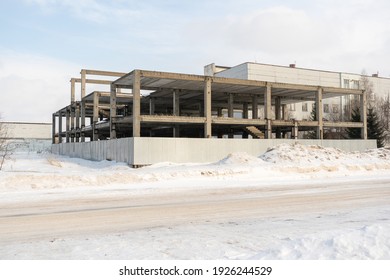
x,y
176,103
137,104
176,112
82,111
67,133
151,106
319,114
219,112
230,105
112,111
95,118
77,121
245,110
60,127
72,121
255,108
294,132
278,115
363,114
72,90
207,107
278,106
284,112
83,78
267,111
53,129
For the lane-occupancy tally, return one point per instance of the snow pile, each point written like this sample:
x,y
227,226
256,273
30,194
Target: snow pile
x,y
369,242
314,158
241,158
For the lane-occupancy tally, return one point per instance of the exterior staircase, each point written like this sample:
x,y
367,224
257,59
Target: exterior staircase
x,y
254,132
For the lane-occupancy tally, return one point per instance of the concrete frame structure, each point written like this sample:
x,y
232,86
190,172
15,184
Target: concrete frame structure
x,y
162,104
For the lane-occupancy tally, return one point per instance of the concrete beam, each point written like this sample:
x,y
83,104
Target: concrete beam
x,y
207,107
136,103
104,73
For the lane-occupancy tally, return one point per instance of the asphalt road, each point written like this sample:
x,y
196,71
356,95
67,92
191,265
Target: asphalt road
x,y
52,218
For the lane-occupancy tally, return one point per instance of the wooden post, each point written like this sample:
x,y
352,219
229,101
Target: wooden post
x,y
53,129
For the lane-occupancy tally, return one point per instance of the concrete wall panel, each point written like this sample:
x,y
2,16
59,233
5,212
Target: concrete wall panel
x,y
149,150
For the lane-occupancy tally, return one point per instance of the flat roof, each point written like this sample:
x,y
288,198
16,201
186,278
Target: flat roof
x,y
191,86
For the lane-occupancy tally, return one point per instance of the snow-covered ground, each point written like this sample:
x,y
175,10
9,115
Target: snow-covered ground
x,y
292,202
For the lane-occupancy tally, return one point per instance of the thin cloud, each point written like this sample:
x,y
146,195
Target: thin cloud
x,y
89,10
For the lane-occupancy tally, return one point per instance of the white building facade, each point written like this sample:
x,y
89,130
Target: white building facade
x,y
28,137
334,108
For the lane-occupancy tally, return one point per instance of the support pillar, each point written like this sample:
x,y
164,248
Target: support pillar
x,y
207,107
294,132
83,82
53,129
268,112
72,90
176,112
137,103
245,110
319,114
72,121
255,109
67,133
278,115
60,127
113,111
82,111
95,118
152,106
230,105
77,113
363,114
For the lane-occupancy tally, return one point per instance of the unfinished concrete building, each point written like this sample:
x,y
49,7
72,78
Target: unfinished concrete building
x,y
151,104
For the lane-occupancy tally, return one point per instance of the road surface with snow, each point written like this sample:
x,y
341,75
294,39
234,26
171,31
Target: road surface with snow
x,y
293,202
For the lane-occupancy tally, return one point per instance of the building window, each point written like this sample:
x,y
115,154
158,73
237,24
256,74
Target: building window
x,y
291,107
304,107
346,83
335,108
355,84
326,108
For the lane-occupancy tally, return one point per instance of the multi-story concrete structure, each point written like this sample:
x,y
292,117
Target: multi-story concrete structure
x,y
154,114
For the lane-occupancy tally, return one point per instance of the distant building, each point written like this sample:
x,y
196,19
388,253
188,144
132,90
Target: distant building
x,y
29,137
334,109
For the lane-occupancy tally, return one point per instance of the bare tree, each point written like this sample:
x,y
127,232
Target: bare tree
x,y
6,148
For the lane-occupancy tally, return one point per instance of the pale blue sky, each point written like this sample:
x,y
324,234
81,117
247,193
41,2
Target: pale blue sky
x,y
46,42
